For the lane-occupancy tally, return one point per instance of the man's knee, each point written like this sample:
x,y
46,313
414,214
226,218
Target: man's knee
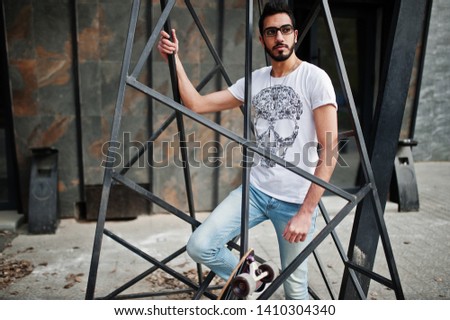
x,y
192,249
197,249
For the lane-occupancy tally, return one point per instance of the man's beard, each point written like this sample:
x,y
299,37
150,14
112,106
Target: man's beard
x,y
279,57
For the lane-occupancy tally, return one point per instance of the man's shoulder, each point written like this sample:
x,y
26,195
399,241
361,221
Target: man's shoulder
x,y
256,74
312,68
261,71
313,74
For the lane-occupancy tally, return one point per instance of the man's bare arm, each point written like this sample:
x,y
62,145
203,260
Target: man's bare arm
x,y
325,119
213,102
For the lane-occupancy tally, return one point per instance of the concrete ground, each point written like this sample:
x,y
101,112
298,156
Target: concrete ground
x,y
57,266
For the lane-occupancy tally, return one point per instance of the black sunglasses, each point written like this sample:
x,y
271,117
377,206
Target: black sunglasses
x,y
272,31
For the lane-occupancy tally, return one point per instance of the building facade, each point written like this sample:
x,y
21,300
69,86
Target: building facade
x,y
63,59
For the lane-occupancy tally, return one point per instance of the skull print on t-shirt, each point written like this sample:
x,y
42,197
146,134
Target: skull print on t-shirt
x,y
277,111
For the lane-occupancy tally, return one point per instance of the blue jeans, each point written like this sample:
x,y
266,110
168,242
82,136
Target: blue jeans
x,y
207,243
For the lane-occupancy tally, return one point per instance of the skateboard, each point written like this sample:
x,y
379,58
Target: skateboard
x,y
243,280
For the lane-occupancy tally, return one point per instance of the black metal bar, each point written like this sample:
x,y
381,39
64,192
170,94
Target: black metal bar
x,y
213,52
162,293
150,105
324,275
153,294
218,115
313,294
156,200
369,273
345,83
151,41
341,252
208,77
308,23
182,135
386,243
107,179
180,124
150,140
247,129
204,285
155,262
144,274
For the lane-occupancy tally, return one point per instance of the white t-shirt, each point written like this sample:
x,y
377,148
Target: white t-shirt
x,y
283,119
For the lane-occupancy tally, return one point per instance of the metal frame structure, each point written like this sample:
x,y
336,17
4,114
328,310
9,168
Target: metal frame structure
x,y
367,192
409,19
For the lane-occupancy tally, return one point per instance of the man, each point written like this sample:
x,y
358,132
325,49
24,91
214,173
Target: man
x,y
294,110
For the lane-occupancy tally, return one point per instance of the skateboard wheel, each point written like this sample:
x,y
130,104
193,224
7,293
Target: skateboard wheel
x,y
243,285
272,270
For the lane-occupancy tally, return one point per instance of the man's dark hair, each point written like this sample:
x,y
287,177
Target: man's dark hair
x,y
273,7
